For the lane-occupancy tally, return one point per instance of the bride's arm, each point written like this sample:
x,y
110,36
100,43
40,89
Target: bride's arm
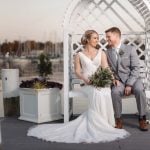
x,y
78,69
104,62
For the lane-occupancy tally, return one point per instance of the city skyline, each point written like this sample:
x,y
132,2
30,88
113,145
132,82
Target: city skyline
x,y
38,20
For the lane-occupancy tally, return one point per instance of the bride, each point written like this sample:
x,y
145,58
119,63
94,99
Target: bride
x,y
97,123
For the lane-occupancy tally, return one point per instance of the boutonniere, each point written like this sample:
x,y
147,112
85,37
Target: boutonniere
x,y
121,52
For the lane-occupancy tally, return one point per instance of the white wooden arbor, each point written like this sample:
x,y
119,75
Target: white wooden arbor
x,y
131,16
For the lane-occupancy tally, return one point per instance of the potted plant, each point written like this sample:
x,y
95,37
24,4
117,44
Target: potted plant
x,y
40,99
45,65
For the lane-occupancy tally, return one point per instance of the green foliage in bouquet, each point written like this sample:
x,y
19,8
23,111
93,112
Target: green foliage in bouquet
x,y
101,78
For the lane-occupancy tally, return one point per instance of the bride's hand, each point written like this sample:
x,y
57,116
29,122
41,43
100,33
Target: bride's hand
x,y
87,81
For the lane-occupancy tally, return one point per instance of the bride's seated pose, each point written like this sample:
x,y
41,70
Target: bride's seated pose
x,y
97,123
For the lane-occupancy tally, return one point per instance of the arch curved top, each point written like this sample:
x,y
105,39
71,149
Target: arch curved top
x,y
141,6
73,4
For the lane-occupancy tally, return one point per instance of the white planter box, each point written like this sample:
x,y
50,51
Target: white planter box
x,y
40,105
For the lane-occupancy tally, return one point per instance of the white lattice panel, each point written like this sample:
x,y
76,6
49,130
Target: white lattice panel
x,y
136,40
101,14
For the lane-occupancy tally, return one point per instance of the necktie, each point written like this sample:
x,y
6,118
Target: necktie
x,y
114,57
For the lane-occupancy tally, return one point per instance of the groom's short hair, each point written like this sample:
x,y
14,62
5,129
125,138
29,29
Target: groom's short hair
x,y
114,30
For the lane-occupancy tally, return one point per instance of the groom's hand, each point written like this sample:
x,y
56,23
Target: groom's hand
x,y
116,82
128,90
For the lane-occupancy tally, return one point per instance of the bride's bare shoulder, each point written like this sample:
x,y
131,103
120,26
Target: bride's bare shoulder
x,y
77,54
102,51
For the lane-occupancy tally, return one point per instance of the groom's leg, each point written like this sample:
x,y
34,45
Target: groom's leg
x,y
117,92
139,93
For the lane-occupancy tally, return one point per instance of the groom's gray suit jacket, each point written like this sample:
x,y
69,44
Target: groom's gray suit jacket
x,y
128,65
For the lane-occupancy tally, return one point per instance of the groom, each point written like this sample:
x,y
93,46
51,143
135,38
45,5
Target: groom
x,y
124,63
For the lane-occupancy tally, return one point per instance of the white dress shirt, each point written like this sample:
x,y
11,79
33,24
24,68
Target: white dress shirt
x,y
117,49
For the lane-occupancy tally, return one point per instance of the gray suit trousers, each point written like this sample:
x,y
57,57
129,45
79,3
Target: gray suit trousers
x,y
138,90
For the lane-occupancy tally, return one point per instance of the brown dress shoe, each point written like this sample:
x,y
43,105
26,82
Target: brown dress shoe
x,y
143,125
119,123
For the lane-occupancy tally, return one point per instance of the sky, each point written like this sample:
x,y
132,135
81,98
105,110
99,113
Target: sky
x,y
38,20
42,20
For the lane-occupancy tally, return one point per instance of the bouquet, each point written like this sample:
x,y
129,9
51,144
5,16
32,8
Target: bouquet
x,y
101,78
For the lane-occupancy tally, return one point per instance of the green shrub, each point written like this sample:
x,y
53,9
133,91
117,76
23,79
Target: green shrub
x,y
45,65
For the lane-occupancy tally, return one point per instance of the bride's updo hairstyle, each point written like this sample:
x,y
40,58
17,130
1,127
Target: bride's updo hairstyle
x,y
86,36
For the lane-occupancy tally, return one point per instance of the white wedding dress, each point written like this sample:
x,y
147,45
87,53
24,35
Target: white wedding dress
x,y
93,126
